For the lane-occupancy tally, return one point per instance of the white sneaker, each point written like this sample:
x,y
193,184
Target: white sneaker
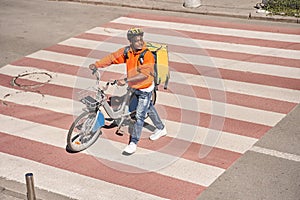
x,y
158,133
131,148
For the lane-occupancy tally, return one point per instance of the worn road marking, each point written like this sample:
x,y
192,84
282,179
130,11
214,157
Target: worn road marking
x,y
275,153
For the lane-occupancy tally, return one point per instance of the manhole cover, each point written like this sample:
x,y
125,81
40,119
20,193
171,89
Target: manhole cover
x,y
25,80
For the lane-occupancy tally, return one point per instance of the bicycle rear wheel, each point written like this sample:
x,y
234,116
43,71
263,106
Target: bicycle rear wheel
x,y
80,136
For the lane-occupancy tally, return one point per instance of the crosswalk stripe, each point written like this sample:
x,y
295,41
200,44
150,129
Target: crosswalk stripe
x,y
168,99
254,78
70,187
219,37
267,69
77,109
204,44
256,57
178,66
231,86
230,125
109,150
232,111
223,149
39,100
213,23
207,29
200,92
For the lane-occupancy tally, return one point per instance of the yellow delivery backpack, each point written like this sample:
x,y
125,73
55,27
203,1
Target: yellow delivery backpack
x,y
161,66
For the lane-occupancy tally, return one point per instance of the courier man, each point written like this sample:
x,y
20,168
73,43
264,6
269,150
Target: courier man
x,y
140,77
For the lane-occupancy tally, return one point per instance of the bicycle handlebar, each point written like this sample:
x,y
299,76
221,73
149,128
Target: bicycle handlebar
x,y
112,82
96,72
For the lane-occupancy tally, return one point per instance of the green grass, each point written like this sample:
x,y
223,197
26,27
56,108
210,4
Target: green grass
x,y
284,7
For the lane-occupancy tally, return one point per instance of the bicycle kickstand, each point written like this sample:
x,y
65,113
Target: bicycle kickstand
x,y
120,130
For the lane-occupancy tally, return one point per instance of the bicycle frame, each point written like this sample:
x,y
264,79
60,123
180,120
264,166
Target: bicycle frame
x,y
86,128
101,101
123,111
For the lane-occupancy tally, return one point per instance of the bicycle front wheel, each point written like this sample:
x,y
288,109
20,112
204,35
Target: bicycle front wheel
x,y
80,135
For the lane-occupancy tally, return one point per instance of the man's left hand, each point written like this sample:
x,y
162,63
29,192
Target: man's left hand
x,y
121,82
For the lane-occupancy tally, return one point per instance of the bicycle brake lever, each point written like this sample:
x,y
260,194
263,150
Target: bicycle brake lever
x,y
94,71
113,83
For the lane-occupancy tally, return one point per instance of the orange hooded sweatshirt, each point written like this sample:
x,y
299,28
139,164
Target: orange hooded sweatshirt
x,y
133,65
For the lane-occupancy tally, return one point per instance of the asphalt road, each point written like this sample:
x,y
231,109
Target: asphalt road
x,y
273,173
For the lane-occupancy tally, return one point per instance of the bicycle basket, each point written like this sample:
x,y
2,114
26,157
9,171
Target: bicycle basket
x,y
87,97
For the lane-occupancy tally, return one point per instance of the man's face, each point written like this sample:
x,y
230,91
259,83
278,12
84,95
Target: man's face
x,y
137,42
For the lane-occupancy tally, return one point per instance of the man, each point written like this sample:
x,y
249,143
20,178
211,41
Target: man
x,y
140,77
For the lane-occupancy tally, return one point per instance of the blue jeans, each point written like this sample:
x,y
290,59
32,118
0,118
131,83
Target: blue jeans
x,y
144,106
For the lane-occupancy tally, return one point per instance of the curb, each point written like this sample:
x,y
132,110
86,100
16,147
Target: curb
x,y
16,190
12,194
165,6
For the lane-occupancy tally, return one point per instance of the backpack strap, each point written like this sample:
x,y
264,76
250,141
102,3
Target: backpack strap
x,y
125,53
142,55
141,60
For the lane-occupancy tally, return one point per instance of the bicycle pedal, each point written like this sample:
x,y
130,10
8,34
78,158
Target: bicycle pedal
x,y
120,132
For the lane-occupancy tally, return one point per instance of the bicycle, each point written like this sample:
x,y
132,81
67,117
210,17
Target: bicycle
x,y
86,128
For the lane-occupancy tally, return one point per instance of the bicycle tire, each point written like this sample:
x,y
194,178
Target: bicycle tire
x,y
82,140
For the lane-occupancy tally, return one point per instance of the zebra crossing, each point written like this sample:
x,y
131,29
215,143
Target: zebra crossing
x,y
230,84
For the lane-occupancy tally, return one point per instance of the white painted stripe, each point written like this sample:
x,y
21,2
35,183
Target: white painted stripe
x,y
34,131
57,78
56,104
260,68
215,63
158,162
62,58
206,136
50,179
181,40
67,106
223,141
278,154
111,150
209,137
265,91
282,94
266,69
84,43
222,109
208,29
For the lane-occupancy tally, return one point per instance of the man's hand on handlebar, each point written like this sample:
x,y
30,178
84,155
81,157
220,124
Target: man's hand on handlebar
x,y
121,82
93,68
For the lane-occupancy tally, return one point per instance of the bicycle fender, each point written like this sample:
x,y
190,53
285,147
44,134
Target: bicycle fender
x,y
99,121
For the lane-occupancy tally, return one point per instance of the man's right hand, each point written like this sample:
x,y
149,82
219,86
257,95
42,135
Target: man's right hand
x,y
92,67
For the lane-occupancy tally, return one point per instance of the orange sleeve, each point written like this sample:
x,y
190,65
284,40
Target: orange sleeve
x,y
113,58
